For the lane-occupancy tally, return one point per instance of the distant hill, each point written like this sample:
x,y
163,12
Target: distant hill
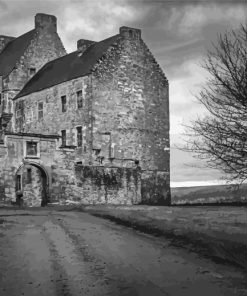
x,y
209,194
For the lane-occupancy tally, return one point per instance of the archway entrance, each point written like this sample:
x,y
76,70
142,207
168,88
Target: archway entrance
x,y
31,185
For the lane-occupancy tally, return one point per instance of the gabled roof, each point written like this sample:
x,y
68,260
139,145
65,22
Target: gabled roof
x,y
68,67
13,52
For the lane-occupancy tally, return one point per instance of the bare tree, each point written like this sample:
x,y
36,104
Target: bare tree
x,y
221,137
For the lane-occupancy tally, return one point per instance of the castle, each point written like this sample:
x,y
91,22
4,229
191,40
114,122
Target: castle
x,y
87,127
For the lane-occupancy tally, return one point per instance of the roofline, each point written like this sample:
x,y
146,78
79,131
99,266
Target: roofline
x,y
45,65
33,30
8,37
18,97
52,61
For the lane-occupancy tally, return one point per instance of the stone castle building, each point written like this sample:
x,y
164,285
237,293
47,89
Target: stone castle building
x,y
91,126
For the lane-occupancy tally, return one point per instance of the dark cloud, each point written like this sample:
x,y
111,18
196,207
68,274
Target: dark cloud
x,y
3,5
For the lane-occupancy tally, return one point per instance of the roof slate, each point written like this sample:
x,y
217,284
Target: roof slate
x,y
68,67
13,52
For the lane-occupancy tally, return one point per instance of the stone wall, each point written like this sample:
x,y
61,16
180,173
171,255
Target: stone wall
x,y
12,159
125,119
3,156
131,112
54,120
44,47
155,186
66,182
112,185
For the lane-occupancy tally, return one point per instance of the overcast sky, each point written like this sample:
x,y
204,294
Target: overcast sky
x,y
177,32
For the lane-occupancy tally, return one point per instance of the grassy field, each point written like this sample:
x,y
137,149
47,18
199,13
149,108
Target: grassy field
x,y
219,233
209,194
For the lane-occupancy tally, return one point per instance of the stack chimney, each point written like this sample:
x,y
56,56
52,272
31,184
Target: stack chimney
x,y
45,22
130,33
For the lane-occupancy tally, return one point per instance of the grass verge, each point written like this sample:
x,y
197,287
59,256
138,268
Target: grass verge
x,y
219,246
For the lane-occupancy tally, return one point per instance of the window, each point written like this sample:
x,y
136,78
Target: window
x,y
29,176
18,182
18,113
112,150
28,115
63,100
79,136
32,71
79,99
40,110
0,98
19,110
32,148
63,132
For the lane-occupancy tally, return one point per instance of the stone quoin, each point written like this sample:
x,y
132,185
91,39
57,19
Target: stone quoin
x,y
89,127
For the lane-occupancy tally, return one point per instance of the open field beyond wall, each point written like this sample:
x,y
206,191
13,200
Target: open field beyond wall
x,y
218,232
214,194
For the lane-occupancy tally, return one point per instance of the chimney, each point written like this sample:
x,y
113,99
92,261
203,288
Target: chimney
x,y
4,40
46,22
83,44
130,33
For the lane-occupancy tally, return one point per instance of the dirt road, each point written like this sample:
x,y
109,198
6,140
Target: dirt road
x,y
72,253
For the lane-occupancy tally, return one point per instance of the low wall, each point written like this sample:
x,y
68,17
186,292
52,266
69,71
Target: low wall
x,y
111,185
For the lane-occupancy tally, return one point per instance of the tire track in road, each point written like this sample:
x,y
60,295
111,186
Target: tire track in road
x,y
75,270
24,266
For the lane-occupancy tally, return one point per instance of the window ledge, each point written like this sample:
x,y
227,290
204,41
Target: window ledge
x,y
32,156
68,147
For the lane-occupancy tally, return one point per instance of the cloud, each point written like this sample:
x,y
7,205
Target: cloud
x,y
185,85
18,16
96,20
184,167
3,5
197,16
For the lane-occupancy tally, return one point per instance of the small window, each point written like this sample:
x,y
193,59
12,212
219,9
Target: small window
x,y
32,71
18,182
19,109
112,151
79,99
63,132
32,149
40,110
63,101
18,113
79,136
29,176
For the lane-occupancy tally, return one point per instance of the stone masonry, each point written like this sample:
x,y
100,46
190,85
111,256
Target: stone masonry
x,y
96,132
36,47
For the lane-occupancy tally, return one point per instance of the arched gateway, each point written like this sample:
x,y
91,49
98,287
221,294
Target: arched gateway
x,y
32,184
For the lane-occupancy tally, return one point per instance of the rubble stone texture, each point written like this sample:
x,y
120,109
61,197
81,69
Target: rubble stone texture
x,y
114,110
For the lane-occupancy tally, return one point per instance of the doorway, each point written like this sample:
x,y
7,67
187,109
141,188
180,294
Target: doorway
x,y
31,185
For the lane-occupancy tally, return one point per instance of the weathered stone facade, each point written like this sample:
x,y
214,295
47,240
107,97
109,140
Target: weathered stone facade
x,y
37,47
130,102
100,130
